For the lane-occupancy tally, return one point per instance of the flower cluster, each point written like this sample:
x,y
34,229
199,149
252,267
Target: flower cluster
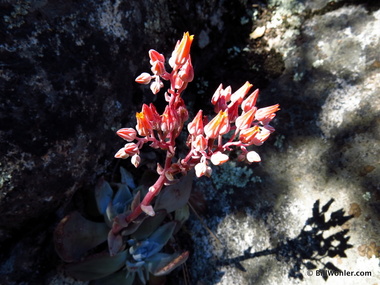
x,y
238,123
250,127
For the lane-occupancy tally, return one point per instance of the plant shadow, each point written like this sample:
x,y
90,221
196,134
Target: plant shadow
x,y
310,248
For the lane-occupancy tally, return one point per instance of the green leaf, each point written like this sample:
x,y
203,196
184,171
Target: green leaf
x,y
122,199
103,195
127,178
118,278
163,233
181,215
75,235
149,225
175,196
96,266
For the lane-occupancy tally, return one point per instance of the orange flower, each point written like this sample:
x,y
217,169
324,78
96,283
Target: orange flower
x,y
244,120
169,120
181,51
254,135
250,101
195,127
247,135
144,126
239,94
263,113
219,125
200,143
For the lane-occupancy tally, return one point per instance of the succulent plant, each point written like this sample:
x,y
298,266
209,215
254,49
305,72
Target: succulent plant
x,y
82,243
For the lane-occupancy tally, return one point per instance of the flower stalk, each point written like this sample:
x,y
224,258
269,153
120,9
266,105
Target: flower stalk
x,y
236,114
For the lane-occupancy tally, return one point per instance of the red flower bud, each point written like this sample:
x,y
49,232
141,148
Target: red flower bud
x,y
144,78
155,56
128,134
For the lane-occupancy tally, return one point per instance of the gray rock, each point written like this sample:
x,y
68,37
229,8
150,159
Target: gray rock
x,y
67,71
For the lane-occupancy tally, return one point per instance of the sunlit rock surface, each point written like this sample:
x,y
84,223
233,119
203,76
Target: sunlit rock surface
x,y
326,146
67,80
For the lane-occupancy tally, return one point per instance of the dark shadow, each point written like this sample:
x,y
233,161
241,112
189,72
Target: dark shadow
x,y
310,248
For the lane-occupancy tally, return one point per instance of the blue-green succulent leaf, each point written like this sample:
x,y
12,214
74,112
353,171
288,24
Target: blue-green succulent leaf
x,y
131,276
137,267
127,178
110,215
118,278
75,235
181,215
163,233
115,243
96,266
149,225
154,243
103,195
175,196
134,266
140,273
122,199
144,250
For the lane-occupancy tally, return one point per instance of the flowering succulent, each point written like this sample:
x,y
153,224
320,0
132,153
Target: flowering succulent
x,y
79,241
139,235
238,124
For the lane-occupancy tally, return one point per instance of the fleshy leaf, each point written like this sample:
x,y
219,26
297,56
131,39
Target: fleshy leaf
x,y
96,266
127,178
149,225
133,226
163,233
144,250
175,196
181,215
118,278
103,195
115,243
154,243
122,198
110,215
136,201
75,235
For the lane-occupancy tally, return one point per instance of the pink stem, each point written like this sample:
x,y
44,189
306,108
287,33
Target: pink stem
x,y
154,190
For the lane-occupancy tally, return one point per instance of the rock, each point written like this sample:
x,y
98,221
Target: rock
x,y
67,76
67,80
325,146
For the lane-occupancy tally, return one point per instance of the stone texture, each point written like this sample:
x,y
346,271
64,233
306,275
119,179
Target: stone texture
x,y
326,146
67,81
67,71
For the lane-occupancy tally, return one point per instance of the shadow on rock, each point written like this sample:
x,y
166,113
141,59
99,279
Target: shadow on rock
x,y
310,248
